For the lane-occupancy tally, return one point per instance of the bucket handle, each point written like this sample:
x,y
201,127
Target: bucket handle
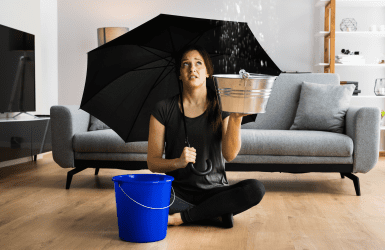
x,y
144,205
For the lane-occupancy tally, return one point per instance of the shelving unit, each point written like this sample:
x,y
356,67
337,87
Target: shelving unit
x,y
330,33
371,45
364,8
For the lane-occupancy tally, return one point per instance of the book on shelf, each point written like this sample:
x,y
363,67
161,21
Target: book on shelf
x,y
349,82
360,61
350,59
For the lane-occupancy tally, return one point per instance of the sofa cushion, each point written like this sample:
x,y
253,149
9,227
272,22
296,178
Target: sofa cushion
x,y
295,143
105,141
96,124
283,101
323,107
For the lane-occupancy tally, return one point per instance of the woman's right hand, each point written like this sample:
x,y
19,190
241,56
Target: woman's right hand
x,y
188,155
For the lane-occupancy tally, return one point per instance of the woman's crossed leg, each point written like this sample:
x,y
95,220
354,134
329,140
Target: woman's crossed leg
x,y
216,202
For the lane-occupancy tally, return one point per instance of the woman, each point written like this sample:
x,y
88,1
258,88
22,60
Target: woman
x,y
212,133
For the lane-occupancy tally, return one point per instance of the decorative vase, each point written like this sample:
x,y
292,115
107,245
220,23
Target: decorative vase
x,y
348,24
379,87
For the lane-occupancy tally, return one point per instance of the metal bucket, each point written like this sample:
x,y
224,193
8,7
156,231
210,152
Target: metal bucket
x,y
240,94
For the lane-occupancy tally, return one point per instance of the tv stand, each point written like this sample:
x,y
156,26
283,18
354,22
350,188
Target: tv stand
x,y
26,114
24,137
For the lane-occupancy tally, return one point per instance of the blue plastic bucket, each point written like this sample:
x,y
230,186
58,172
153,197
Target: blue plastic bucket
x,y
142,205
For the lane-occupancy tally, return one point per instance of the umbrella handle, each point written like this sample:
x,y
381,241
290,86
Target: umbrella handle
x,y
209,168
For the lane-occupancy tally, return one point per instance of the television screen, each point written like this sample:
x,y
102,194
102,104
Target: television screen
x,y
17,70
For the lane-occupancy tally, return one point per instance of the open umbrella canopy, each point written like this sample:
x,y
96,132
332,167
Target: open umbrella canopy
x,y
127,76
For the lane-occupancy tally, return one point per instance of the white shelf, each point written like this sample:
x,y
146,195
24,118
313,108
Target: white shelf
x,y
367,96
322,3
382,127
351,65
359,65
353,33
353,3
322,33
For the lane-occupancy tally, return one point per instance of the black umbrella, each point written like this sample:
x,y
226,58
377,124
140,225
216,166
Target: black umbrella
x,y
127,76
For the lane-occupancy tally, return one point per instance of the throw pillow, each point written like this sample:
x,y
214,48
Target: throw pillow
x,y
97,124
323,107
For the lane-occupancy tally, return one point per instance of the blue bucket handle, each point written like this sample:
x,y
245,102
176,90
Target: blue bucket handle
x,y
144,205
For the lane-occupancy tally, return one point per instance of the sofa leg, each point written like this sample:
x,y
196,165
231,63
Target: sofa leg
x,y
96,171
70,174
342,175
355,180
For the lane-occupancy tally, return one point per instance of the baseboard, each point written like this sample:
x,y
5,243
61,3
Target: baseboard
x,y
19,161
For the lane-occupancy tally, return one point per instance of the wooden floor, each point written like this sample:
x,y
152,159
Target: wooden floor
x,y
302,211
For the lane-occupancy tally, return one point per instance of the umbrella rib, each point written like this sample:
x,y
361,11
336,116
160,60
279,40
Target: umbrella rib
x,y
154,85
152,68
158,82
169,62
136,69
161,58
143,47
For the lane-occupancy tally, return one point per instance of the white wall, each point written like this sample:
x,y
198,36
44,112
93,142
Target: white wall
x,y
38,17
25,16
284,29
49,54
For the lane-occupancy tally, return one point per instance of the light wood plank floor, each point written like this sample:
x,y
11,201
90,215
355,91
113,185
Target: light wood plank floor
x,y
302,211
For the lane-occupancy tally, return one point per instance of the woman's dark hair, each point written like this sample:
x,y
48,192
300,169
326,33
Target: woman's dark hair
x,y
214,113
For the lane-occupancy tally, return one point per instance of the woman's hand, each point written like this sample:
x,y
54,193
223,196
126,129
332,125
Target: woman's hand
x,y
188,155
238,115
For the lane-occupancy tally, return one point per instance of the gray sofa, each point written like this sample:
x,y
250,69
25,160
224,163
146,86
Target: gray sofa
x,y
267,145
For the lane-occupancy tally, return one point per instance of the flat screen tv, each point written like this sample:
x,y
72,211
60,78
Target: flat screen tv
x,y
17,70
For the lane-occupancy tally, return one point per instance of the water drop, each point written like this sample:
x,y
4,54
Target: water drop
x,y
238,9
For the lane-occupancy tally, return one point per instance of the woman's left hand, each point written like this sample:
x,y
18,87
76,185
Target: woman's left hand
x,y
238,115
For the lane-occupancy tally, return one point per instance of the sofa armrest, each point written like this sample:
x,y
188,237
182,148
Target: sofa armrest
x,y
363,126
66,120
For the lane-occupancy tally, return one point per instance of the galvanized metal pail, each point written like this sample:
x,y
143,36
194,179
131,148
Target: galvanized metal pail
x,y
248,95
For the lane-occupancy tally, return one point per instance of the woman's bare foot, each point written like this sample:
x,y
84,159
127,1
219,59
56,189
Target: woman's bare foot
x,y
175,219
